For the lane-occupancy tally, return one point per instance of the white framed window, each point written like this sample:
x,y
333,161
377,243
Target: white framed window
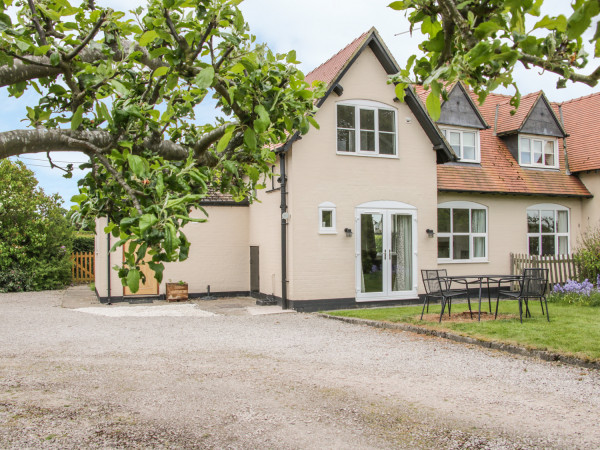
x,y
327,223
548,230
462,232
366,128
538,152
464,142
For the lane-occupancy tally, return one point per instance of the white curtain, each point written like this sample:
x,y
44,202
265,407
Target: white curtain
x,y
478,226
402,267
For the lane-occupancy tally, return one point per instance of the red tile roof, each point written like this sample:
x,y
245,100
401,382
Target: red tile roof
x,y
329,70
499,172
581,122
512,122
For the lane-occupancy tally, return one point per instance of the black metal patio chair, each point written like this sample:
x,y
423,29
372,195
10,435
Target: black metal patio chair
x,y
438,286
532,284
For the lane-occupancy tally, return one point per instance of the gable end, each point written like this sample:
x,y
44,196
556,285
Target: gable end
x,y
542,121
459,110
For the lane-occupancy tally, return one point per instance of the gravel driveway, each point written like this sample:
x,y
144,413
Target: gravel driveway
x,y
70,379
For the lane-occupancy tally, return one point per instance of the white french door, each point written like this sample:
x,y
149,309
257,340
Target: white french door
x,y
386,253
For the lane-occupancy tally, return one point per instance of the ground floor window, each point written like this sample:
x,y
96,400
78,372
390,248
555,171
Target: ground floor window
x,y
548,230
462,232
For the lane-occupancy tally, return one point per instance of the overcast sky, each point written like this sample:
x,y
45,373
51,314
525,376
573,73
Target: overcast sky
x,y
316,29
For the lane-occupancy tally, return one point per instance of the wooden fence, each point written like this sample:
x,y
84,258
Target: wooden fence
x,y
560,267
82,269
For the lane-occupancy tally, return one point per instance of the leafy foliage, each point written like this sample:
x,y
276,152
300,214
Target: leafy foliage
x,y
35,237
481,41
587,254
83,243
127,91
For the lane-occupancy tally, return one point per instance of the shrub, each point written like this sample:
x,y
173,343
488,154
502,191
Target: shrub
x,y
35,236
587,254
83,243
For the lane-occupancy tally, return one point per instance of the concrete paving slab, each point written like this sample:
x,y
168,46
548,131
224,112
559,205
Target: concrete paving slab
x,y
263,310
183,310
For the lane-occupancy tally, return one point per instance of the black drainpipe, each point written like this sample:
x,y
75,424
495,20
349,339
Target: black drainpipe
x,y
108,264
283,184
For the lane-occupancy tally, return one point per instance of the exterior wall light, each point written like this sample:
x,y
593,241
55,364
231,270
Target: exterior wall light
x,y
429,232
348,232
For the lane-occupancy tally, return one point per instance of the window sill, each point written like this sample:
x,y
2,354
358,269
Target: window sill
x,y
328,232
368,155
544,168
462,261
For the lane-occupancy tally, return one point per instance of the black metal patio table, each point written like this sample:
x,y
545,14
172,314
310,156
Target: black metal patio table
x,y
466,279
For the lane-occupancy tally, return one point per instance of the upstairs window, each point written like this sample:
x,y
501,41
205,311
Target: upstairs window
x,y
366,128
538,152
465,143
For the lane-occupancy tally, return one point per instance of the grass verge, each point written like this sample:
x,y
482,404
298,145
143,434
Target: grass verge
x,y
572,331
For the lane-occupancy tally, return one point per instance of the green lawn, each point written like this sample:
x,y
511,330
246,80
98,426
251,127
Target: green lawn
x,y
573,330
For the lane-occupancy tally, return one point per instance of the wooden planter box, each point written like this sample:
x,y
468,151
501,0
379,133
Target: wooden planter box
x,y
177,292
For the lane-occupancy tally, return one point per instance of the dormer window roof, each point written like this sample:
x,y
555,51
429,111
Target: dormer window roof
x,y
534,116
460,110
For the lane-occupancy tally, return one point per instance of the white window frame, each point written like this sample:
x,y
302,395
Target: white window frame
x,y
370,105
543,140
470,206
549,207
327,206
462,130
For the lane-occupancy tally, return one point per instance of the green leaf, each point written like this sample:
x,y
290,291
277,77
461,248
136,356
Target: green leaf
x,y
313,122
159,72
160,185
399,6
158,269
558,23
400,91
77,118
79,198
250,138
55,59
434,106
138,165
581,19
147,221
486,29
5,22
148,37
133,280
262,123
205,78
224,141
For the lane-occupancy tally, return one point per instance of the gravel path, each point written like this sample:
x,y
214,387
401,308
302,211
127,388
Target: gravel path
x,y
69,379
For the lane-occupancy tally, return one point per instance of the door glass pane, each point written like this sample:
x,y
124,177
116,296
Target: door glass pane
x,y
386,144
478,247
525,151
443,220
562,226
346,141
401,253
548,244
537,152
534,245
533,221
367,119
386,121
460,220
478,220
549,153
468,146
367,141
548,222
443,247
460,247
563,245
345,116
371,252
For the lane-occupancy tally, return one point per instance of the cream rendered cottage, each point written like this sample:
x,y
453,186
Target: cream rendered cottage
x,y
380,192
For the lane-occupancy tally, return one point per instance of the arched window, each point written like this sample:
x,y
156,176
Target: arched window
x,y
548,229
462,232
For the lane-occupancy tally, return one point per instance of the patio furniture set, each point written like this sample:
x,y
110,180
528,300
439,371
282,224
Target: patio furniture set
x,y
532,284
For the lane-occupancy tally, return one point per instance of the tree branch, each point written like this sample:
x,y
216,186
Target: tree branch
x,y
87,40
40,31
210,138
591,79
181,41
119,178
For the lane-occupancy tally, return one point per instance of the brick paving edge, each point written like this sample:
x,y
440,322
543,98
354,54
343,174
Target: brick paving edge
x,y
494,345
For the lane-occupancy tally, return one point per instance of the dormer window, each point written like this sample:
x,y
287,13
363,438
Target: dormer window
x,y
538,152
464,142
366,128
